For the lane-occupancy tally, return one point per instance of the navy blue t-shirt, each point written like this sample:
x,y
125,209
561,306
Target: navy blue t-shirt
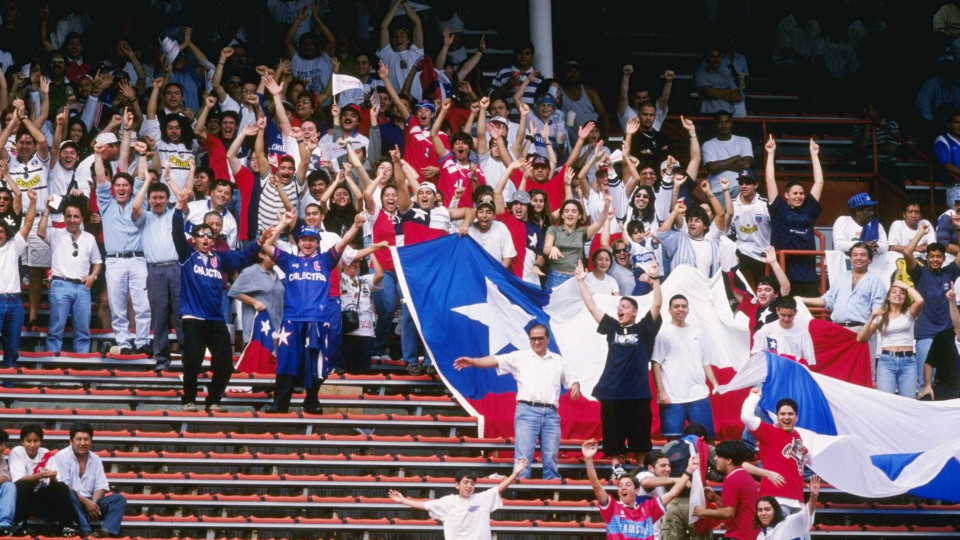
x,y
792,228
933,287
625,374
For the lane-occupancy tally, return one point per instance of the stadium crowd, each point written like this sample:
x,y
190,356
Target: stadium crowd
x,y
163,181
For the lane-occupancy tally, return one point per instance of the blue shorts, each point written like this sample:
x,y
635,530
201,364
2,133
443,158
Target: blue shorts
x,y
674,416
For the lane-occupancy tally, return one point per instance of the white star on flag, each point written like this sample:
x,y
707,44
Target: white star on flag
x,y
505,320
265,326
282,335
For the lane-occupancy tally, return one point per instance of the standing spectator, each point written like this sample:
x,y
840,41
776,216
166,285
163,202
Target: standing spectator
x,y
75,265
643,138
201,286
126,266
903,230
751,225
895,320
31,471
718,87
28,169
739,499
176,146
221,191
466,514
853,296
258,288
949,222
627,513
785,338
860,226
305,306
541,375
151,207
775,523
792,218
887,133
681,367
508,79
309,62
493,236
931,280
583,101
768,291
624,386
400,50
563,245
82,471
456,168
698,245
942,358
946,148
357,290
12,246
726,155
628,103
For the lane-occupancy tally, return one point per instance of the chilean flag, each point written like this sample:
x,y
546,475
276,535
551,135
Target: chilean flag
x,y
259,356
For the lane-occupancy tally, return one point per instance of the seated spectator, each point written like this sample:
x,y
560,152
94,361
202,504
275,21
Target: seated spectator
x,y
628,103
946,23
942,358
466,514
718,87
726,155
886,132
13,243
903,230
785,338
860,226
895,321
947,148
82,471
796,37
949,222
399,49
39,493
76,263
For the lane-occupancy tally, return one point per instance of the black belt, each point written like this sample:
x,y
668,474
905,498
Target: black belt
x,y
536,404
125,255
70,280
168,263
848,324
901,354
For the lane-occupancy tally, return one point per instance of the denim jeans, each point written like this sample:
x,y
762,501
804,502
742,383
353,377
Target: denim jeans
x,y
555,279
11,322
8,504
897,372
69,299
923,349
385,300
410,342
530,423
112,508
673,417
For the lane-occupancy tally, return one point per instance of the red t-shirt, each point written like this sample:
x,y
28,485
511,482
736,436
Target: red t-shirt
x,y
418,146
244,180
454,175
631,523
518,234
555,188
785,454
218,157
385,228
740,492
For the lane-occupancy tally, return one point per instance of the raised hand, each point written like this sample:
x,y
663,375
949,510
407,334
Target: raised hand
x,y
628,69
447,38
383,71
724,184
633,126
579,272
814,148
524,109
770,146
585,130
770,255
668,75
127,90
225,53
688,125
589,448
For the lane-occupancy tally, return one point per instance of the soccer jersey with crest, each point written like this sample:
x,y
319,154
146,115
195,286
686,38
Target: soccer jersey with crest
x,y
751,225
307,285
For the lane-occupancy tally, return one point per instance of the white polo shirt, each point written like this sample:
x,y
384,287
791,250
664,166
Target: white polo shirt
x,y
10,264
63,263
539,380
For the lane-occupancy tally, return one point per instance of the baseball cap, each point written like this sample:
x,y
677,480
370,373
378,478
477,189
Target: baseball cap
x,y
69,144
746,177
860,200
486,203
602,169
425,104
500,119
571,64
107,137
519,196
546,98
427,185
307,230
538,161
352,107
286,157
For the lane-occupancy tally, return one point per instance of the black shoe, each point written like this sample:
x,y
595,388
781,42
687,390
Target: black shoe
x,y
338,370
68,532
313,409
34,323
102,533
274,409
431,370
415,369
145,349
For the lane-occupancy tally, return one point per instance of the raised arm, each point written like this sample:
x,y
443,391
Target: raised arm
x,y
27,224
217,82
435,128
259,152
817,187
482,128
472,62
589,449
664,98
582,135
581,274
623,98
358,222
770,148
152,102
385,23
693,167
292,31
692,468
605,215
384,73
43,151
770,257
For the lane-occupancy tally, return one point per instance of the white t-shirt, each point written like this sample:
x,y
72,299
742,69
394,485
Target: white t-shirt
x,y
57,183
356,295
846,233
21,465
62,261
793,526
901,235
899,331
492,170
32,174
794,341
400,64
751,225
466,518
630,113
317,70
496,241
10,264
197,209
607,285
682,352
717,150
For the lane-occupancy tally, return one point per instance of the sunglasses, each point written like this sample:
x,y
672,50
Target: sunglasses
x,y
5,198
76,249
641,196
538,339
204,235
621,250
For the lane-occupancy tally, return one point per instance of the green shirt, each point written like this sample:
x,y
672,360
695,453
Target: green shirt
x,y
570,244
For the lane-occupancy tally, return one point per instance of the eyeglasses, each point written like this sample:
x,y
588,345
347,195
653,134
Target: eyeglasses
x,y
4,198
58,61
76,249
537,339
204,235
641,196
621,250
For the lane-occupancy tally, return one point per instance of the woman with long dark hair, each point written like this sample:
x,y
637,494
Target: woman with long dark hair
x,y
775,526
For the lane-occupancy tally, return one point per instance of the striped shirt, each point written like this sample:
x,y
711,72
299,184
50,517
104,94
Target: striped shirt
x,y
883,138
270,202
500,82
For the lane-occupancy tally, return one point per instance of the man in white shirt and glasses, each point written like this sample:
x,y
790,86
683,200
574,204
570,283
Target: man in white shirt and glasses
x,y
541,376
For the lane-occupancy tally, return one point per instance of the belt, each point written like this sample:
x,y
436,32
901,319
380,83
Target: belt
x,y
125,255
537,404
155,265
901,354
848,324
69,280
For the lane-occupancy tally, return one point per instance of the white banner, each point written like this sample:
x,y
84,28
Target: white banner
x,y
345,82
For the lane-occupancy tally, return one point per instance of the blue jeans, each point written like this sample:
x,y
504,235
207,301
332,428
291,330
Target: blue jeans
x,y
410,342
8,504
11,323
897,372
923,349
530,423
555,279
673,416
385,300
69,299
112,508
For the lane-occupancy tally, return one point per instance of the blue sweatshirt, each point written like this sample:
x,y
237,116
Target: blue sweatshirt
x,y
201,281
